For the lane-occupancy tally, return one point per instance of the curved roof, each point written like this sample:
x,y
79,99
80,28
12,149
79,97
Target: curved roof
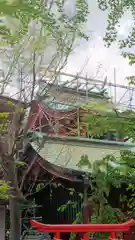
x,y
54,169
65,152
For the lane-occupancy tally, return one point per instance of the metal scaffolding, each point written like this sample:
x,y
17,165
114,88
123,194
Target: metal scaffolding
x,y
69,86
66,99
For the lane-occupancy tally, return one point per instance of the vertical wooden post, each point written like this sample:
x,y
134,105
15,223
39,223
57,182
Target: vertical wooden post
x,y
87,205
78,121
115,96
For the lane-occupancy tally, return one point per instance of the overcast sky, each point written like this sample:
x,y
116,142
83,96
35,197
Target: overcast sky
x,y
94,48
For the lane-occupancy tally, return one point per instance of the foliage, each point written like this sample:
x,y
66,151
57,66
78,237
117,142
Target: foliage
x,y
63,207
39,187
101,123
19,164
77,219
116,10
104,174
4,190
111,171
53,23
27,29
52,17
6,117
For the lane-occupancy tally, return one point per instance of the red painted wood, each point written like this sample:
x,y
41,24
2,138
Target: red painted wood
x,y
84,228
57,236
86,236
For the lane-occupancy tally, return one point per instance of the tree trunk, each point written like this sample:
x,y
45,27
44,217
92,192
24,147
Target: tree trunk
x,y
15,219
14,201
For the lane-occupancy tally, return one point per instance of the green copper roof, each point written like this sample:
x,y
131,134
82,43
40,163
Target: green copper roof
x,y
67,151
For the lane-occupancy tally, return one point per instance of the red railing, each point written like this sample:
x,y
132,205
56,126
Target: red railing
x,y
113,229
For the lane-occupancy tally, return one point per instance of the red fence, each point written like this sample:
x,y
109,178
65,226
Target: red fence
x,y
113,229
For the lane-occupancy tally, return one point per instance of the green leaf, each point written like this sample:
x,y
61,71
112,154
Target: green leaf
x,y
20,163
25,12
39,187
116,11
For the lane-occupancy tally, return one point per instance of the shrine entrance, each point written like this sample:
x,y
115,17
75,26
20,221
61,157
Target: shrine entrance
x,y
86,229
